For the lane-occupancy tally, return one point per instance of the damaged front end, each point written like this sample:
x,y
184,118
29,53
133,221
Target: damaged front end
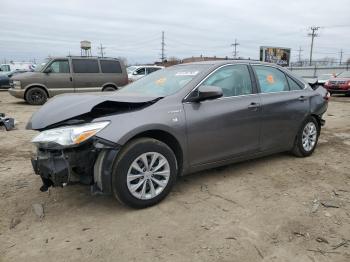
x,y
68,147
68,155
88,164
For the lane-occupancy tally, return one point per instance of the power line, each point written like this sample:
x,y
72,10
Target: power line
x,y
341,56
313,34
235,49
299,55
163,48
101,52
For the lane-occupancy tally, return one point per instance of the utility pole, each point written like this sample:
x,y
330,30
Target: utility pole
x,y
235,49
101,48
163,48
299,56
341,56
313,34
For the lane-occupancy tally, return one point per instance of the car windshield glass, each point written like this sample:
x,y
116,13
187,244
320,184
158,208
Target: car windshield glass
x,y
344,74
164,82
40,66
131,69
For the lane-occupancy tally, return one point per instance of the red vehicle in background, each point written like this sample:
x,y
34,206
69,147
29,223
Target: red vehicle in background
x,y
339,84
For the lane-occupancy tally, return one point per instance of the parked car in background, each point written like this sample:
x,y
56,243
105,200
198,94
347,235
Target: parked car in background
x,y
339,84
135,142
13,66
69,75
5,78
137,72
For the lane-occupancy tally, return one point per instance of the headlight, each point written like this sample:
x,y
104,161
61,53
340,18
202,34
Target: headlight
x,y
69,135
16,84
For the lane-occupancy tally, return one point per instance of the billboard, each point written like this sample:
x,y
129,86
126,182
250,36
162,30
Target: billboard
x,y
276,55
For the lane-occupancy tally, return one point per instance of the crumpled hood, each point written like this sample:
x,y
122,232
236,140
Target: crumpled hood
x,y
68,106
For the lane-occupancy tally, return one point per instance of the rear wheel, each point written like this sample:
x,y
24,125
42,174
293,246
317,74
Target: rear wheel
x,y
144,173
109,88
307,137
36,96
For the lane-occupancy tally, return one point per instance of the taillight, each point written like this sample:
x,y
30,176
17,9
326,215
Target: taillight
x,y
327,83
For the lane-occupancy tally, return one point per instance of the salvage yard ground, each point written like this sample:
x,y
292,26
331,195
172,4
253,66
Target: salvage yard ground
x,y
278,208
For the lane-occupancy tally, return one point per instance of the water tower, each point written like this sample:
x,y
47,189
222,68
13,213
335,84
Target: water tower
x,y
85,48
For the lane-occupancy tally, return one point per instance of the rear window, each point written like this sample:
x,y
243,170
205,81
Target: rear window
x,y
110,66
85,66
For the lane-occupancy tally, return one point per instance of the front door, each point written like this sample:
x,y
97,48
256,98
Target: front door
x,y
226,127
58,78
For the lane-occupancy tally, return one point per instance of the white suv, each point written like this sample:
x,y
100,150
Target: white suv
x,y
137,72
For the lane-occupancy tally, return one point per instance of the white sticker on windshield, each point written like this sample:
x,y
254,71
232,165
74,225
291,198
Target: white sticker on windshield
x,y
187,73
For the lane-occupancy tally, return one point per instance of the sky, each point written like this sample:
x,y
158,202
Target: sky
x,y
132,29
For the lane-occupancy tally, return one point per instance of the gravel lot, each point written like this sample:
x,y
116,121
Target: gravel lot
x,y
278,208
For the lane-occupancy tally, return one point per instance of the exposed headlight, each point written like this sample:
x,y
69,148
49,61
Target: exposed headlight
x,y
16,84
69,135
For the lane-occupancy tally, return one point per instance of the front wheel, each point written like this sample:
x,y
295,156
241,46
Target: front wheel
x,y
36,96
307,137
144,173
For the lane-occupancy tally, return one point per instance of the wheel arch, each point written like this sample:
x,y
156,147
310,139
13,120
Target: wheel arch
x,y
168,139
109,84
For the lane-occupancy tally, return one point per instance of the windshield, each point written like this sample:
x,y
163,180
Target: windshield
x,y
131,69
164,82
344,74
39,67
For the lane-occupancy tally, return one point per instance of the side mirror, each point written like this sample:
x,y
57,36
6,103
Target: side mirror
x,y
134,73
48,70
206,93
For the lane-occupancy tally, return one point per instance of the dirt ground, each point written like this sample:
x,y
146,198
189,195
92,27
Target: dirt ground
x,y
278,208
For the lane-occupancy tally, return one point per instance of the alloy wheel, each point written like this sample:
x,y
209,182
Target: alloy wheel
x,y
148,175
309,136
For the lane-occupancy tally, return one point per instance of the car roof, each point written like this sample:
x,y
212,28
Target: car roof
x,y
84,57
232,61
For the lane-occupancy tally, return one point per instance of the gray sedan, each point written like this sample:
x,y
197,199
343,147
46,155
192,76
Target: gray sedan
x,y
135,142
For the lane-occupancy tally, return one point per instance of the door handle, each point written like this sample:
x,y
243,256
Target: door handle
x,y
254,106
71,79
302,98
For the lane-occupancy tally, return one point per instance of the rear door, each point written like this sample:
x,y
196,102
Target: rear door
x,y
86,75
284,106
58,78
226,127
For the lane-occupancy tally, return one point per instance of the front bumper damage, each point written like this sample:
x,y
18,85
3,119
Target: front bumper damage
x,y
89,164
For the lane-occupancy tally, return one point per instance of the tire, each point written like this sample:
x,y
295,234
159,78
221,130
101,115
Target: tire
x,y
139,188
307,138
36,96
109,88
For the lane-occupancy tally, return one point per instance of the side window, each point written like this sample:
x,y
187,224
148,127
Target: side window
x,y
234,80
293,85
152,69
60,66
271,79
85,66
110,66
141,71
